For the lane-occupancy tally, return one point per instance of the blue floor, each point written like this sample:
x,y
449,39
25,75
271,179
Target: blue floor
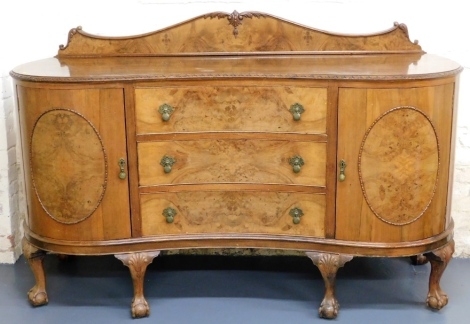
x,y
218,289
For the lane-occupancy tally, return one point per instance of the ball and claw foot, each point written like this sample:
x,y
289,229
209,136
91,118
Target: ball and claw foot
x,y
140,308
328,264
137,264
439,260
37,297
437,299
329,308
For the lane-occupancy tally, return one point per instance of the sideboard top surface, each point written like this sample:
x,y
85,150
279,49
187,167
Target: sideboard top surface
x,y
345,67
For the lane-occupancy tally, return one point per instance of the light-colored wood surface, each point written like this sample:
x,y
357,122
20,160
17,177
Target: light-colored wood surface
x,y
398,165
236,108
232,101
110,220
69,176
358,110
233,212
236,32
312,67
376,101
234,161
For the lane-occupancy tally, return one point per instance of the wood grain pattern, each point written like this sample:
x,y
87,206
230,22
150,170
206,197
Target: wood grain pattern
x,y
261,68
110,220
398,165
377,101
358,109
68,165
244,108
235,161
248,32
233,212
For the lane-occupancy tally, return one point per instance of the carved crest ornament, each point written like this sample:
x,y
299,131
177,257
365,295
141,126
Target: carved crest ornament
x,y
235,18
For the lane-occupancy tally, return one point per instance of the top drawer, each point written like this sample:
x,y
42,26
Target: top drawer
x,y
245,108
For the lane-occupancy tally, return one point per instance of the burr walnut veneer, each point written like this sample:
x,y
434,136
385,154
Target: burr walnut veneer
x,y
239,130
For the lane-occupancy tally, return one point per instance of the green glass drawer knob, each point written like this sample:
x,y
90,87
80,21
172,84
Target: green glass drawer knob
x,y
169,214
296,162
167,163
166,110
296,110
296,213
342,174
122,168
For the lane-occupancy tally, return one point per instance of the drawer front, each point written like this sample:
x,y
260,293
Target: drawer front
x,y
250,108
235,161
233,212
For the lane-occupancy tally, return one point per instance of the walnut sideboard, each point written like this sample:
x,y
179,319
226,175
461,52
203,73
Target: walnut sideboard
x,y
235,130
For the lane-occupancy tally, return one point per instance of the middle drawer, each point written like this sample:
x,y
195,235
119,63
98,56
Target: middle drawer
x,y
232,161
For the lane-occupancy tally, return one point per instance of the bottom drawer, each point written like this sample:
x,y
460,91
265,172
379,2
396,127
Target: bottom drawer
x,y
233,212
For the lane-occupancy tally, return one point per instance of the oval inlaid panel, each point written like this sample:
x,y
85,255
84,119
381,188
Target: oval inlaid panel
x,y
399,164
68,165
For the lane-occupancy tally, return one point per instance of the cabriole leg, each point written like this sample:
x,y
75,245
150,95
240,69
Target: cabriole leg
x,y
439,259
328,264
137,264
37,295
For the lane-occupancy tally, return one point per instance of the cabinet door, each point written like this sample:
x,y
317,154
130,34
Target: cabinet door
x,y
396,146
73,140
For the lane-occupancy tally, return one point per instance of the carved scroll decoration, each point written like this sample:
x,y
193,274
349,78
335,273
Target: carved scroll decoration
x,y
399,165
404,28
72,33
235,18
68,165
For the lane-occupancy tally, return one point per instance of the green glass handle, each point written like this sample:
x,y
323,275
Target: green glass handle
x,y
167,163
342,167
166,110
296,162
122,168
296,213
296,110
169,214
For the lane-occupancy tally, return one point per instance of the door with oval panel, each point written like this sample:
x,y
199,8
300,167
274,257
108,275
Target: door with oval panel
x,y
77,173
393,150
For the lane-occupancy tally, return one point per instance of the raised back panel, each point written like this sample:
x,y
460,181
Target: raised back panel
x,y
236,33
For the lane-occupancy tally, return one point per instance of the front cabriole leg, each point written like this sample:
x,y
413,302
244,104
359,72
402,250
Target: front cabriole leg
x,y
439,259
137,264
37,295
328,264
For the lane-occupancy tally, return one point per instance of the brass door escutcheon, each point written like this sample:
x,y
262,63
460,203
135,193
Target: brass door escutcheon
x,y
296,162
122,167
296,110
169,214
296,213
166,110
342,167
167,163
